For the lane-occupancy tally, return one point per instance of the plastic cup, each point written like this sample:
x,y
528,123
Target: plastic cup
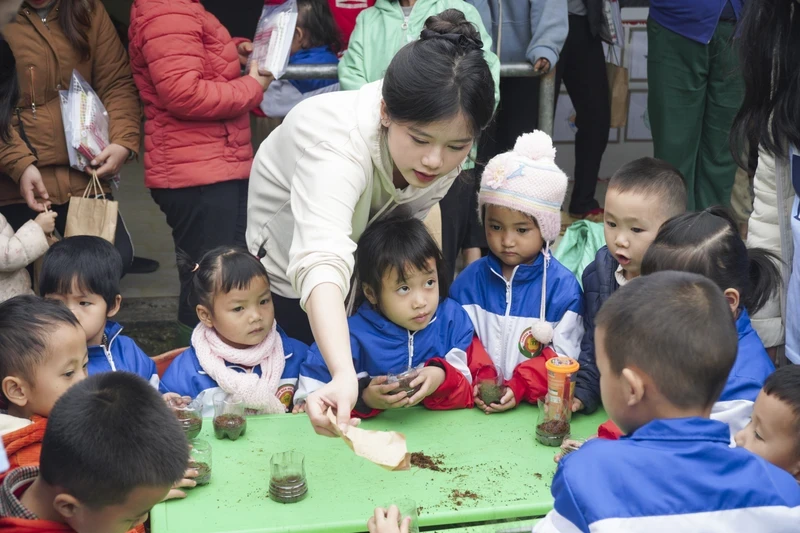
x,y
404,376
552,424
491,386
190,415
200,458
287,482
229,416
408,509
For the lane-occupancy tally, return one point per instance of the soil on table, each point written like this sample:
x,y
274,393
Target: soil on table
x,y
458,496
191,423
231,426
428,462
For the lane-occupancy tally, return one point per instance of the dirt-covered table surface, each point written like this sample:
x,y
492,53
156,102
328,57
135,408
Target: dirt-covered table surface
x,y
478,468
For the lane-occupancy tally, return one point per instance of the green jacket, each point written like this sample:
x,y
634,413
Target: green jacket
x,y
382,30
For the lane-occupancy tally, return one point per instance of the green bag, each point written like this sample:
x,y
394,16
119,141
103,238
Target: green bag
x,y
579,245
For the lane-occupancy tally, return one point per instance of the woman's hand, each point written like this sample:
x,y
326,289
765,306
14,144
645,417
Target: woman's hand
x,y
31,186
430,378
378,395
340,394
244,50
542,65
264,81
388,521
110,161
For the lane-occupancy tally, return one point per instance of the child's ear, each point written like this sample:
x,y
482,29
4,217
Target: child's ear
x,y
204,314
16,390
633,386
67,506
732,295
369,294
115,309
299,36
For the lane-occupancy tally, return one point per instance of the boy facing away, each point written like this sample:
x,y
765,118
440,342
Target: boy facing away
x,y
641,196
84,273
112,450
665,345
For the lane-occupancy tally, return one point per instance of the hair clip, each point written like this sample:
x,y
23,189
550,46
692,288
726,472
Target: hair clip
x,y
196,267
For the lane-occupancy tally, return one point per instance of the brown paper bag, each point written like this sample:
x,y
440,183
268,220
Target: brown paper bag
x,y
618,92
386,449
93,213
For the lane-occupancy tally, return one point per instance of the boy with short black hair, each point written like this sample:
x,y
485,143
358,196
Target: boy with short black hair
x,y
84,272
774,428
665,345
42,354
112,450
641,196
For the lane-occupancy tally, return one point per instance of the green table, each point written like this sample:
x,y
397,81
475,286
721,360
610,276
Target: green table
x,y
496,457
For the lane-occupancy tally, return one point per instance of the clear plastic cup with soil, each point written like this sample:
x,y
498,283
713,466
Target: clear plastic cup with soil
x,y
189,413
287,481
229,416
200,460
491,386
555,409
553,423
404,376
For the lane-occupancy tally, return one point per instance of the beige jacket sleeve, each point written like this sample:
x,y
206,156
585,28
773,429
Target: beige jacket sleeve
x,y
20,249
764,232
327,185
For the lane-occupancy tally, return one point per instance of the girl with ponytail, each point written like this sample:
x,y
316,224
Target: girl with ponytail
x,y
708,243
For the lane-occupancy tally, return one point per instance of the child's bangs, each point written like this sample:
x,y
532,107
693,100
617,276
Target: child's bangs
x,y
237,271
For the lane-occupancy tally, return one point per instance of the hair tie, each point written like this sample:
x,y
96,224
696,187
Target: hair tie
x,y
196,267
464,43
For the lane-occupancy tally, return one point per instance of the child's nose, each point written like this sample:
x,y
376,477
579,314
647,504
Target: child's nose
x,y
739,438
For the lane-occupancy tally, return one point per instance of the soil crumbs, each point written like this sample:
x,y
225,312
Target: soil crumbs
x,y
429,462
458,496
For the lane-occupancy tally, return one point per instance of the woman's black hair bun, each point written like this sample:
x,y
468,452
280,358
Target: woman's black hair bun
x,y
452,26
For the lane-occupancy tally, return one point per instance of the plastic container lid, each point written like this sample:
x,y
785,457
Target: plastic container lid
x,y
562,365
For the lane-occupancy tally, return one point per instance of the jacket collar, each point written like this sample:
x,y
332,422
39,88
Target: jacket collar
x,y
743,325
523,273
112,331
10,506
682,429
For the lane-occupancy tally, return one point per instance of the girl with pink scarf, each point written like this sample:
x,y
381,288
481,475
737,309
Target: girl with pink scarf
x,y
237,347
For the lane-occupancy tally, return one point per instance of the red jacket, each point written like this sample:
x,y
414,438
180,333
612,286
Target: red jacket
x,y
345,13
196,102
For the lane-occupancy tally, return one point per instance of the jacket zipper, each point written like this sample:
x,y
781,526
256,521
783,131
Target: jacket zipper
x,y
410,349
404,26
509,295
33,91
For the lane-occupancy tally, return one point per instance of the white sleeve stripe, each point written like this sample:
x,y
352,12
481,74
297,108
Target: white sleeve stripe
x,y
555,523
457,358
305,386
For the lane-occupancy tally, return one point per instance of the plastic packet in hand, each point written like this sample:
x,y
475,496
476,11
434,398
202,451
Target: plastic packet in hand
x,y
76,160
272,43
87,123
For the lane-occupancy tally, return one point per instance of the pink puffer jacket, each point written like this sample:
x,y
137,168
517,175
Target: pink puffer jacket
x,y
196,102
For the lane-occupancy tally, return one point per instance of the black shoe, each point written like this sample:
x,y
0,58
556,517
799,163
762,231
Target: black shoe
x,y
142,265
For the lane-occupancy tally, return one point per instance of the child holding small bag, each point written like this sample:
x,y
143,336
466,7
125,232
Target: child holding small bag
x,y
525,305
21,248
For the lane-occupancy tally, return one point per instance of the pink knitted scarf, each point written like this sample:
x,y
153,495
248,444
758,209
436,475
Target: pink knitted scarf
x,y
257,392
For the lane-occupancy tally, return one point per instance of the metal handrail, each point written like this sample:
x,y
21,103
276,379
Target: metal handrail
x,y
507,70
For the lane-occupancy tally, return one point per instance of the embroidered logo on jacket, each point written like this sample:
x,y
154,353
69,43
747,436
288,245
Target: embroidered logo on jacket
x,y
286,394
528,345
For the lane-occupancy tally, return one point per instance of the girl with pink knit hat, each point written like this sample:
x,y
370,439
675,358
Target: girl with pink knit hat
x,y
526,307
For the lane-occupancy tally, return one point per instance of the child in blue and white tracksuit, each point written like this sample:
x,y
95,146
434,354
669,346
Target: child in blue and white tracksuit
x,y
237,348
526,307
406,322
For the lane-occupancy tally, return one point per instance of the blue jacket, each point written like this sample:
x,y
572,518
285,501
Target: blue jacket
x,y
380,346
186,377
122,355
282,95
671,475
599,283
692,19
747,376
504,311
531,29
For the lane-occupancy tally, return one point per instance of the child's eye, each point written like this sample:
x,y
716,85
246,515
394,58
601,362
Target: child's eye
x,y
238,309
611,224
402,290
495,227
522,231
86,365
458,148
758,437
265,301
637,230
418,141
70,373
430,283
85,304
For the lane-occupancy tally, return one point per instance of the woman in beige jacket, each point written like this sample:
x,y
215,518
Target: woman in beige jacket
x,y
342,160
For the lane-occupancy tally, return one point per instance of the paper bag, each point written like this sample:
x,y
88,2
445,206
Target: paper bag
x,y
386,449
618,92
93,213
